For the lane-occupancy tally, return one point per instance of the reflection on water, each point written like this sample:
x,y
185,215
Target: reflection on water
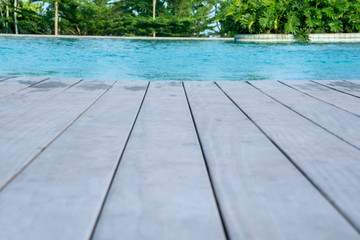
x,y
176,60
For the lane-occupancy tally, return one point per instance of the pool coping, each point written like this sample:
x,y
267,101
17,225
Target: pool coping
x,y
256,38
315,38
114,37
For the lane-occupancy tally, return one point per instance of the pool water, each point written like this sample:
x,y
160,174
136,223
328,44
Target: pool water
x,y
120,59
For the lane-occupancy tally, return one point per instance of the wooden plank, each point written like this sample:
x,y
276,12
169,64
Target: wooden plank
x,y
342,86
17,84
19,103
341,123
332,165
59,195
356,82
161,189
338,99
24,138
261,194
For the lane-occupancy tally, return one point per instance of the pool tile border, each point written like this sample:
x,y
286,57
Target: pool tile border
x,y
316,38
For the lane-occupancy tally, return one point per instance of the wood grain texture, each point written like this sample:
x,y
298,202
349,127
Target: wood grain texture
x,y
342,86
26,100
261,194
161,189
338,99
59,195
331,164
17,84
22,139
356,82
341,123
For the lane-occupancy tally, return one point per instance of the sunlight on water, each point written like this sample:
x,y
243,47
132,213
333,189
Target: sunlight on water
x,y
176,60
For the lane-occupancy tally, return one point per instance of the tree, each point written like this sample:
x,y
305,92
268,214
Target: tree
x,y
15,16
56,31
154,8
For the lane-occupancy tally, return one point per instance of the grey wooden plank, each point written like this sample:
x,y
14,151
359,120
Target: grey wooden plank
x,y
19,103
332,165
342,86
261,194
341,123
161,189
356,82
338,99
17,84
24,138
59,195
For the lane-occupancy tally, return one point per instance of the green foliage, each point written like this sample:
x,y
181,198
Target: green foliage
x,y
30,21
182,17
301,36
292,24
108,17
298,17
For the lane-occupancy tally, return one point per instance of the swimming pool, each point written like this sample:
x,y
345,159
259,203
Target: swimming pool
x,y
177,60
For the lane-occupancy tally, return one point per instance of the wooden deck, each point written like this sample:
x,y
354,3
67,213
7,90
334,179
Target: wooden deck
x,y
83,159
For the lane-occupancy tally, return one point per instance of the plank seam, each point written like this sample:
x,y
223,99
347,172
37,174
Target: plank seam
x,y
358,148
106,195
5,78
73,85
222,218
36,105
53,140
335,89
25,87
317,98
307,177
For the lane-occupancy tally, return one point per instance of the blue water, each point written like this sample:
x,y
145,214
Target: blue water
x,y
176,60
